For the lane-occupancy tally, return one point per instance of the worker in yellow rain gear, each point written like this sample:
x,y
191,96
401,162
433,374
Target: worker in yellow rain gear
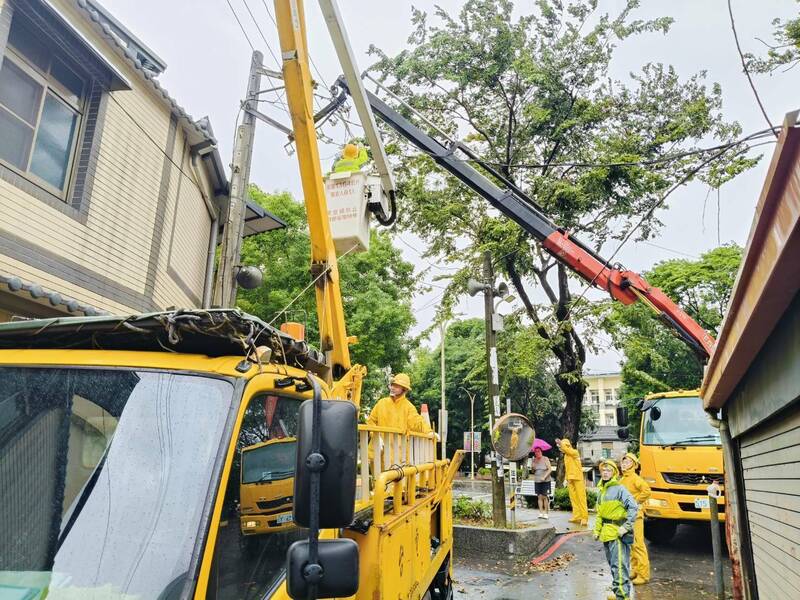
x,y
640,561
616,513
575,485
396,410
353,158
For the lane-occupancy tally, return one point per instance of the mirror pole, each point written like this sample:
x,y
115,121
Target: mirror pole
x,y
315,462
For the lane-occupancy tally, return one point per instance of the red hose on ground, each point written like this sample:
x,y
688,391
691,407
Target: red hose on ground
x,y
556,545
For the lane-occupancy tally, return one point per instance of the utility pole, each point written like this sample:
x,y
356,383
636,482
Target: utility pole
x,y
493,397
443,415
225,285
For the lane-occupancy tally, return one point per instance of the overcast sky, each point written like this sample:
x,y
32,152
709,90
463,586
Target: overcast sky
x,y
208,59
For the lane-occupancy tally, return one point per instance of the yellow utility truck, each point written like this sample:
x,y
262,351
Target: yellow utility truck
x,y
267,485
681,455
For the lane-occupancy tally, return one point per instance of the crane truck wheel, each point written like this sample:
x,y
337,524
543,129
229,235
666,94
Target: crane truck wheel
x,y
659,531
442,585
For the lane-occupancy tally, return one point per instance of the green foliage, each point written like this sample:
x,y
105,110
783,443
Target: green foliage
x,y
376,290
466,508
561,499
484,471
783,52
655,359
525,376
530,90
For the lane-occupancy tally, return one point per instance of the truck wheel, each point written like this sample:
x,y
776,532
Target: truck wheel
x,y
660,531
442,586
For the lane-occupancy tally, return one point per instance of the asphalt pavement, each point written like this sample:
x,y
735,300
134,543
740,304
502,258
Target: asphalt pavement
x,y
577,570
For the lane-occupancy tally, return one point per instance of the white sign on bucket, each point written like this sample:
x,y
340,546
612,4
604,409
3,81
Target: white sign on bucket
x,y
347,195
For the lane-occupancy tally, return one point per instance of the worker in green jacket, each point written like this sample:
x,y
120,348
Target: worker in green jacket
x,y
353,157
616,515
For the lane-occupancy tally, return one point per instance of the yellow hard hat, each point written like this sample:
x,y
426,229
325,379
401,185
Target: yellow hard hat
x,y
350,151
610,463
402,380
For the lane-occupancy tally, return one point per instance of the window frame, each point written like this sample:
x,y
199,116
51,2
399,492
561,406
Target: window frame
x,y
50,85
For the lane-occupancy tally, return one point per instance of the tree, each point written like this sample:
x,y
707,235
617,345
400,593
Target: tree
x,y
533,95
377,287
656,360
784,51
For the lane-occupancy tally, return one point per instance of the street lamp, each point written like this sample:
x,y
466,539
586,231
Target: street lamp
x,y
443,418
471,432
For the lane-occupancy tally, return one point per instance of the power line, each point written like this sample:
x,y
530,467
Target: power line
x,y
261,33
235,16
637,163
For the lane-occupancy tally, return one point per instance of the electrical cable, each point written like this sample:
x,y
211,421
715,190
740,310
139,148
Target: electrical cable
x,y
272,53
235,16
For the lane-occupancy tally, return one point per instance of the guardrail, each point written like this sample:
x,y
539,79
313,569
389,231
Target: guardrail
x,y
404,460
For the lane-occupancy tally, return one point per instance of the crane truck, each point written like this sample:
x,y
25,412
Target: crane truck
x,y
145,456
678,467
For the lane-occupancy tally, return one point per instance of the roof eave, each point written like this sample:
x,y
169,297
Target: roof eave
x,y
768,276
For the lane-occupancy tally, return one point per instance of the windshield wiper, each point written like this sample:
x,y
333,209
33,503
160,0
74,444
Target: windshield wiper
x,y
696,438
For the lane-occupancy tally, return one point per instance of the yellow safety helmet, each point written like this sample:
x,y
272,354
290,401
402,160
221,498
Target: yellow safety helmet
x,y
402,380
610,463
350,151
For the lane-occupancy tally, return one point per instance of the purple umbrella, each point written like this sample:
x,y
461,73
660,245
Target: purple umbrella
x,y
541,444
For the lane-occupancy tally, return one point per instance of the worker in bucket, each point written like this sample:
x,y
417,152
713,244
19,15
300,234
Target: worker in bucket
x,y
640,562
353,158
616,514
396,410
575,485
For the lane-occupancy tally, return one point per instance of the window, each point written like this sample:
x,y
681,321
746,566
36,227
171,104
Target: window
x,y
609,397
256,527
42,97
110,470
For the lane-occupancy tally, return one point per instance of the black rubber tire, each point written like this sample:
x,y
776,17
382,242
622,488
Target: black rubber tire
x,y
660,531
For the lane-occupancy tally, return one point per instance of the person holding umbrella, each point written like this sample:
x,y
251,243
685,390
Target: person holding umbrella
x,y
541,469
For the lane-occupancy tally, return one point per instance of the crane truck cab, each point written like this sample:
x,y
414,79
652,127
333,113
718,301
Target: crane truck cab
x,y
132,449
680,456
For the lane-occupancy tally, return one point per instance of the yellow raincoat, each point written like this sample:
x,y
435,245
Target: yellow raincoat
x,y
640,561
397,413
575,485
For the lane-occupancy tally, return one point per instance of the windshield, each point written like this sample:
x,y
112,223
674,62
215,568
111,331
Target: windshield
x,y
268,463
104,475
678,422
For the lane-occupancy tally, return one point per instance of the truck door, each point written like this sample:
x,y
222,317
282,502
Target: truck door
x,y
255,527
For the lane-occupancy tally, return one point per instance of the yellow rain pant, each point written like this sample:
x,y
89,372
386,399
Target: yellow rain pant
x,y
640,561
577,497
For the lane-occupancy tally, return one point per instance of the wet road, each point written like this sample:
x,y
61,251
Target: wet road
x,y
682,570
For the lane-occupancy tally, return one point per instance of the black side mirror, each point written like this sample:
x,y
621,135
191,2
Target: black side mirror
x,y
338,428
655,413
337,561
622,416
623,433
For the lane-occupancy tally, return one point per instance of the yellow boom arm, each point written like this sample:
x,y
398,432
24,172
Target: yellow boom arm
x,y
290,18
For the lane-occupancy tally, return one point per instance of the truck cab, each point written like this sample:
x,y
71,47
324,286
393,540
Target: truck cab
x,y
154,456
680,455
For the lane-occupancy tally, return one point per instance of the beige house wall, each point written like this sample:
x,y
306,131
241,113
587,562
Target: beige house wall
x,y
143,244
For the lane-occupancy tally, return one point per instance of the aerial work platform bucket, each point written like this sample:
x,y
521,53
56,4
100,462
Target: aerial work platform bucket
x,y
348,195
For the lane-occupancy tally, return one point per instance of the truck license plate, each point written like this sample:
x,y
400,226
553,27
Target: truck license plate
x,y
288,518
701,503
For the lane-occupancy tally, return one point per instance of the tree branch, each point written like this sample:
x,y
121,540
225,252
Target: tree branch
x,y
747,72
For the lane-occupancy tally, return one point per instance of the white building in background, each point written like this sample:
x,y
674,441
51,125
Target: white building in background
x,y
602,396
